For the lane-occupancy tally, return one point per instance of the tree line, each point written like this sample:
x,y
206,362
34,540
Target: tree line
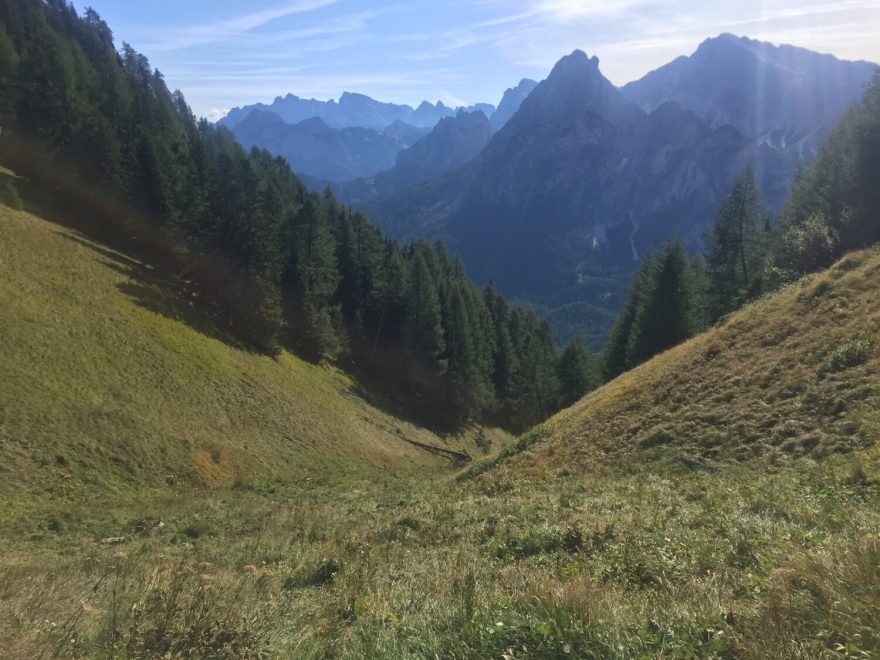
x,y
98,132
834,208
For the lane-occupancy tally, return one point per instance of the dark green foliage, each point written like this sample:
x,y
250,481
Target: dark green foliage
x,y
100,138
737,247
578,371
666,306
666,314
616,356
835,203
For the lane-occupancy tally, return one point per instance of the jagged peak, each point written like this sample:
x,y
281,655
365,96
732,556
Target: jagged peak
x,y
576,63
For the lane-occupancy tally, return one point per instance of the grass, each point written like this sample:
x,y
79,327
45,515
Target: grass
x,y
633,562
108,388
789,376
614,530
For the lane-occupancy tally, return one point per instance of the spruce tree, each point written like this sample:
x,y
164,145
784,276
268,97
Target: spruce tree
x,y
835,202
615,359
424,328
667,310
578,372
737,246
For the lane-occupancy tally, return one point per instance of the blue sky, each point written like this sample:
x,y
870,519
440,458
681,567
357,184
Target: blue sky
x,y
224,54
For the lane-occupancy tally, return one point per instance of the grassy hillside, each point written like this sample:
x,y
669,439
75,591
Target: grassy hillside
x,y
796,374
722,501
109,386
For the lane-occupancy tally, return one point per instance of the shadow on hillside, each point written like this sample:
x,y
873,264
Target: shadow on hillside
x,y
107,253
387,398
175,298
167,296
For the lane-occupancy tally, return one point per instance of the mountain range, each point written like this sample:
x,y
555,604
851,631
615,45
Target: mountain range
x,y
572,175
784,96
455,140
328,143
585,177
352,110
315,149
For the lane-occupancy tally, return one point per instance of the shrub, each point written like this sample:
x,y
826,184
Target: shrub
x,y
9,196
849,354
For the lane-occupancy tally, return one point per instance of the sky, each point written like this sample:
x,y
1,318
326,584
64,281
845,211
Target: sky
x,y
225,53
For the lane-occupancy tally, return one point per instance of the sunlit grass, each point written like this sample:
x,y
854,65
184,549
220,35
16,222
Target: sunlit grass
x,y
607,564
166,494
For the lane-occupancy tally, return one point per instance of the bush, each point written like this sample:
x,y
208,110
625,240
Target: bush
x,y
812,245
850,354
9,196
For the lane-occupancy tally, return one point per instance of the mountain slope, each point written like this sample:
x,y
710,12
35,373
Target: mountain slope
x,y
315,149
796,374
578,183
560,552
511,101
107,384
783,96
452,142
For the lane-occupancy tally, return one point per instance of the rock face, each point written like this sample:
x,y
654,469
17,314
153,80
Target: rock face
x,y
454,140
318,151
785,97
580,182
584,177
511,101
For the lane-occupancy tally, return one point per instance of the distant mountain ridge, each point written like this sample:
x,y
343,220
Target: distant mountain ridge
x,y
453,141
353,110
358,137
316,150
571,179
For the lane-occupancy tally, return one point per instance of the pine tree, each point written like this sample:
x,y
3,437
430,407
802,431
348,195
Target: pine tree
x,y
737,246
424,328
835,204
578,372
464,386
615,359
666,314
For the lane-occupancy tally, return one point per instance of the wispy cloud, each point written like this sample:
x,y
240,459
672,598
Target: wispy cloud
x,y
198,35
569,9
405,51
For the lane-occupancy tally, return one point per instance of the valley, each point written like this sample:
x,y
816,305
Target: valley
x,y
624,526
594,373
